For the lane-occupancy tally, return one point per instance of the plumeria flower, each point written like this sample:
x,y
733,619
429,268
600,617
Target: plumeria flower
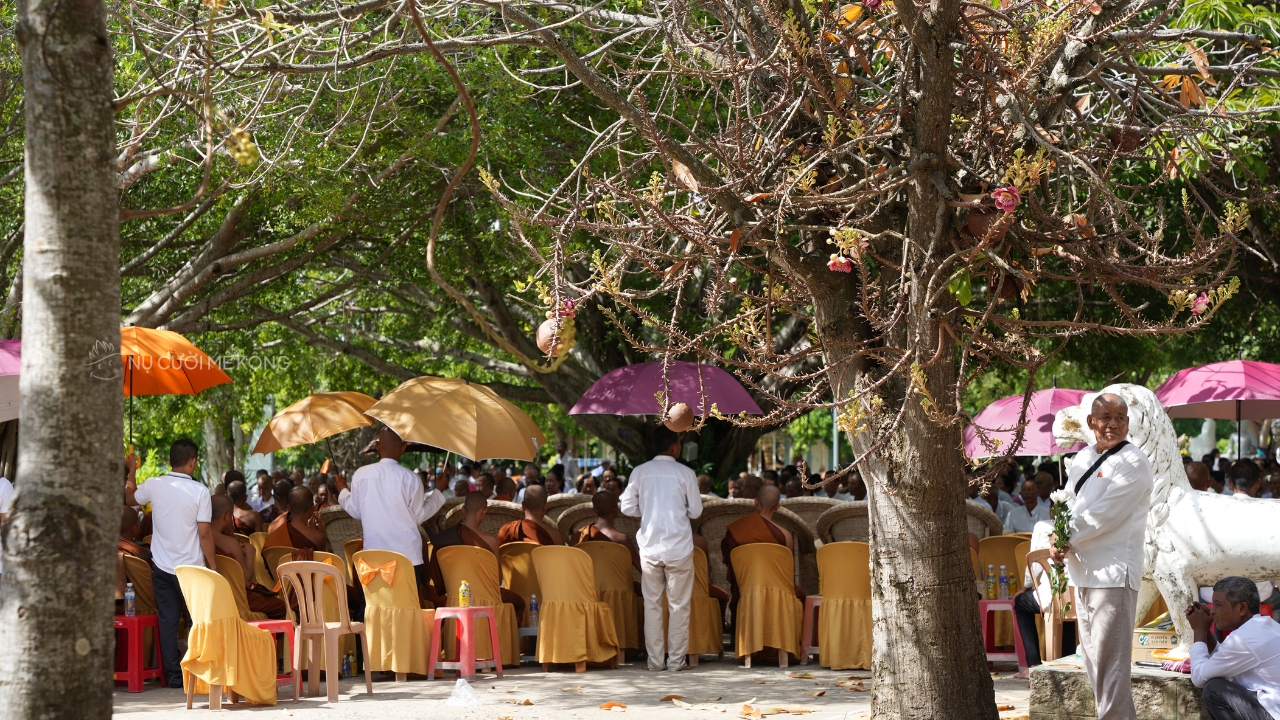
x,y
1200,304
1060,496
872,5
840,263
1006,198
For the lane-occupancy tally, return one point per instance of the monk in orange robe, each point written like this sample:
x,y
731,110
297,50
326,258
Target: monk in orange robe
x,y
467,532
755,527
127,544
605,504
245,519
226,543
532,528
299,528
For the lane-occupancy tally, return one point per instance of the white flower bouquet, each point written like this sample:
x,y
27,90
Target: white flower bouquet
x,y
1060,515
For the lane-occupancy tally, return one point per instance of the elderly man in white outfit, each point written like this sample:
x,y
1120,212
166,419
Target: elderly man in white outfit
x,y
1112,484
664,495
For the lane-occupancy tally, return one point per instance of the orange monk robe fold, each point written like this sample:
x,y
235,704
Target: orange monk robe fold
x,y
461,535
590,533
270,605
282,533
750,528
133,549
525,531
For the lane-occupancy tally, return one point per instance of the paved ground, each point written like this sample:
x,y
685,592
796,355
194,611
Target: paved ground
x,y
564,695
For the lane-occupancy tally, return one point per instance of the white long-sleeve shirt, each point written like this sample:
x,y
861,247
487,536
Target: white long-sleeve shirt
x,y
1017,519
1249,657
1109,519
6,501
387,499
664,495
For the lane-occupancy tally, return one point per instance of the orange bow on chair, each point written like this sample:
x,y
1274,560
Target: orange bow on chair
x,y
368,572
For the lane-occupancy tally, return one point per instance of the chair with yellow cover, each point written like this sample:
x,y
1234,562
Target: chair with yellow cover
x,y
611,564
223,651
398,630
769,615
332,591
262,573
706,624
516,562
575,626
349,550
310,582
272,557
1000,550
844,624
230,569
479,568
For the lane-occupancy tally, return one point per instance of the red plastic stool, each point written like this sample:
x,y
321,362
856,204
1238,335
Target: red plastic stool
x,y
986,608
808,645
135,673
280,627
466,663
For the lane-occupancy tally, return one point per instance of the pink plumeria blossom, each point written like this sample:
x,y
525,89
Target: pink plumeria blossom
x,y
1200,304
872,5
1006,198
840,263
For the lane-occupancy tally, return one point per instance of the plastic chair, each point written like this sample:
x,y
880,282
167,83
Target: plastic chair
x,y
769,615
706,624
1020,557
223,650
308,581
479,568
1055,614
241,537
611,565
262,574
465,621
397,628
231,570
272,557
349,549
844,626
516,563
576,627
136,671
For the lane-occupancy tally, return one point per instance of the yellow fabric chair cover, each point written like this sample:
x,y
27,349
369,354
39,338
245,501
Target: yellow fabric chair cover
x,y
769,615
138,572
222,649
1001,550
516,560
706,624
260,573
574,626
231,570
611,563
844,620
399,630
480,569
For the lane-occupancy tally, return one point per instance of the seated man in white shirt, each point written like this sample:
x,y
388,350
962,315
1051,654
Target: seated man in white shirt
x,y
387,498
1023,518
1240,675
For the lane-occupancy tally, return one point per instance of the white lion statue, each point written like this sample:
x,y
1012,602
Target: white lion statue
x,y
1193,538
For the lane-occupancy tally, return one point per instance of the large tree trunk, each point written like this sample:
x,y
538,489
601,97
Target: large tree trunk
x,y
56,600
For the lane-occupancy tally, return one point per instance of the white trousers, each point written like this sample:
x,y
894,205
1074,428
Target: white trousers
x,y
1105,619
676,579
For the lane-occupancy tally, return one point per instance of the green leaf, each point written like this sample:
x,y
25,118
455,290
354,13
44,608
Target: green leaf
x,y
961,288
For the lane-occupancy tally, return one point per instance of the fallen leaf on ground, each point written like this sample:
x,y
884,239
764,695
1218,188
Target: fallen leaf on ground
x,y
748,711
786,710
823,683
680,704
801,676
760,681
815,693
612,705
671,697
1002,708
572,689
859,677
518,702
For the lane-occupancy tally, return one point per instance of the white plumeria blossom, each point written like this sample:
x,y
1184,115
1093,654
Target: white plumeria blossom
x,y
1061,496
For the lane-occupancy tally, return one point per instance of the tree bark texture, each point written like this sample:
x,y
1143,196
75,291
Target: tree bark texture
x,y
56,600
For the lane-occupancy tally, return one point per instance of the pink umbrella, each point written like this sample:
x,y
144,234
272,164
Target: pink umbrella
x,y
997,424
10,365
631,390
1232,390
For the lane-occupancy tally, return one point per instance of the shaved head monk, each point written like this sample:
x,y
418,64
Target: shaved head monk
x,y
506,489
245,519
605,504
533,528
301,527
467,532
754,527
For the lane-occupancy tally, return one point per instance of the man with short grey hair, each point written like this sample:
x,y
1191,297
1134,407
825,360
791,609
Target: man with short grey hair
x,y
1241,674
1111,482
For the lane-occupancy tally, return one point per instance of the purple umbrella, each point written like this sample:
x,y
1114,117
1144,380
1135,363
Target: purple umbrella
x,y
632,390
999,422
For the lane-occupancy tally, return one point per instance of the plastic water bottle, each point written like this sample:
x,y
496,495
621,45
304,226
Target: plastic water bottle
x,y
346,667
1004,583
991,582
464,594
130,600
533,611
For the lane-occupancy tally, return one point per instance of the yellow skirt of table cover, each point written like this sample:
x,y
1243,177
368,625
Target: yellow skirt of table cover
x,y
222,649
844,620
480,569
518,573
611,563
399,631
574,626
769,614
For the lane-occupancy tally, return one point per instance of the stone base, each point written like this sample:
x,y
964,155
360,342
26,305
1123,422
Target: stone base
x,y
1060,691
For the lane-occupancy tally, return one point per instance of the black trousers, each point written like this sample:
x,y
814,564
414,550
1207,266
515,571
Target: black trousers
x,y
169,609
1025,608
1226,700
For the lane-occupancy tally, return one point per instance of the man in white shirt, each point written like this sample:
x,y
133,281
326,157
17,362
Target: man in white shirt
x,y
664,495
1023,518
181,534
1112,484
598,470
1240,675
261,499
569,462
6,505
387,499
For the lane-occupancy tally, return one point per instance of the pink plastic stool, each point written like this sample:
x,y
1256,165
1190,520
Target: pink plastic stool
x,y
807,628
135,673
465,666
986,608
280,627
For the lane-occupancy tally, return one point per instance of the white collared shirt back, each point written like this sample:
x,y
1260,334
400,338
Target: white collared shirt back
x,y
178,504
664,495
388,500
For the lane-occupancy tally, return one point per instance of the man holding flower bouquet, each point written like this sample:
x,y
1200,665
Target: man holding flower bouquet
x,y
1111,483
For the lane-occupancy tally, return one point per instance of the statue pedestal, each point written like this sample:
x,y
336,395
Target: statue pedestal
x,y
1060,691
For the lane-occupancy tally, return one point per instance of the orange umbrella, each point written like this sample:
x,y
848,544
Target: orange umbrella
x,y
162,362
314,418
